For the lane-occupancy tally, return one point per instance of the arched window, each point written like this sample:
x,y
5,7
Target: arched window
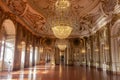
x,y
8,45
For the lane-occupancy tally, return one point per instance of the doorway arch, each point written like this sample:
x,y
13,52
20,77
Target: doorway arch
x,y
8,45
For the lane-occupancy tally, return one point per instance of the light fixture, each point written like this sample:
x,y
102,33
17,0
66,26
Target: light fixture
x,y
61,32
83,51
61,44
96,50
62,25
41,49
62,47
106,48
62,4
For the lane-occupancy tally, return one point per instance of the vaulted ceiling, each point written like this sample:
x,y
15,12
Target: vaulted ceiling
x,y
87,16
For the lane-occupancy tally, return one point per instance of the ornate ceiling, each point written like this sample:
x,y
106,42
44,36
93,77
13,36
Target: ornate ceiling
x,y
87,16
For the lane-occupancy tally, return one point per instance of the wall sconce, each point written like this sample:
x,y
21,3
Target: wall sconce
x,y
41,50
96,50
106,47
83,51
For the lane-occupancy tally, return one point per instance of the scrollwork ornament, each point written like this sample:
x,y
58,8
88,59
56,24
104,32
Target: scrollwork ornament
x,y
108,6
17,6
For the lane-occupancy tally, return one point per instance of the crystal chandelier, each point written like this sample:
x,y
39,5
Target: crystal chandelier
x,y
62,32
61,44
62,4
62,47
62,28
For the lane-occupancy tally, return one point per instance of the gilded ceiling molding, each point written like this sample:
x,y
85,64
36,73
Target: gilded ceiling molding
x,y
93,21
87,16
6,9
109,6
35,21
107,12
20,7
8,15
76,10
80,7
117,7
90,8
102,20
17,6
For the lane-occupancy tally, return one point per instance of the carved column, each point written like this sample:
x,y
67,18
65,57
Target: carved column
x,y
33,54
91,45
57,56
99,50
65,53
69,56
27,55
85,43
17,54
38,56
109,45
38,52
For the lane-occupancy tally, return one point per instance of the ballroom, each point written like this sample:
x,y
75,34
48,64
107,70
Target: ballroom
x,y
59,39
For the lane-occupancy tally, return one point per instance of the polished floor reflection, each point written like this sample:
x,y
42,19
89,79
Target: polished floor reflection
x,y
51,72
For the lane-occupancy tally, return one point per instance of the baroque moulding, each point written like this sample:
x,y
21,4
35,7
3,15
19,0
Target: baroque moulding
x,y
102,20
36,20
90,21
109,6
78,7
17,6
8,15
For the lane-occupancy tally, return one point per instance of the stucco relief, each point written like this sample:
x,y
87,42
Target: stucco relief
x,y
48,6
81,26
109,6
83,13
34,20
17,6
